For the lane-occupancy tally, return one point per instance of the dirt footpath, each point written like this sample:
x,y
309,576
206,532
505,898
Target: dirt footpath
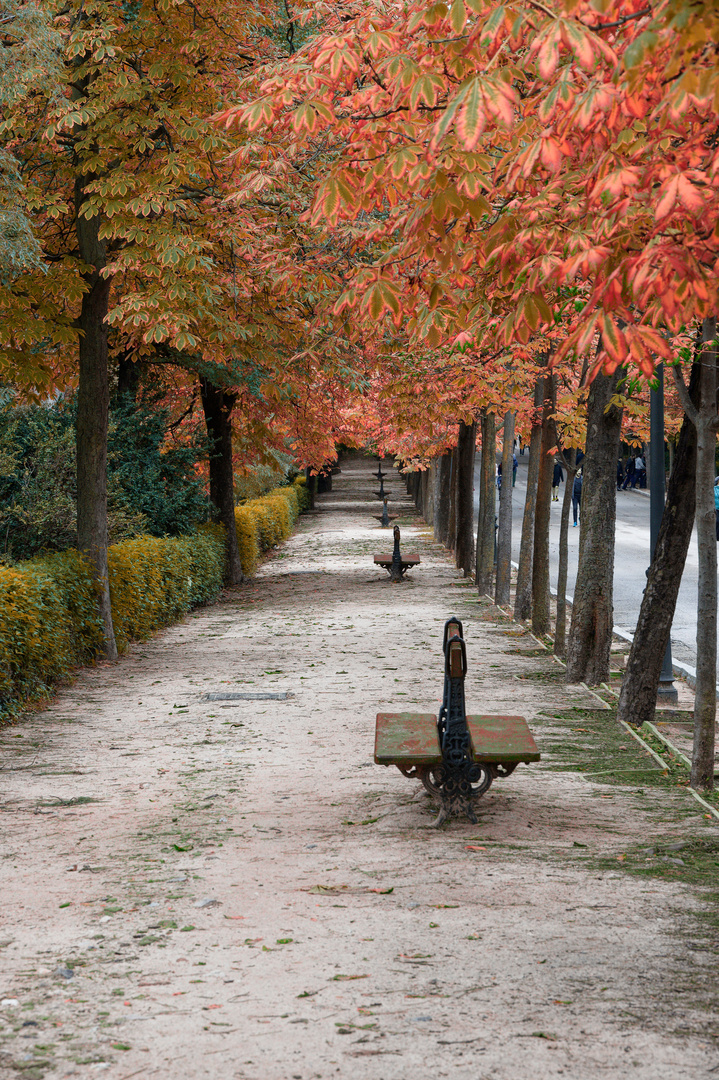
x,y
195,885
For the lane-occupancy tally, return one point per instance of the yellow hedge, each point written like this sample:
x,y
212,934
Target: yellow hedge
x,y
262,523
154,581
48,610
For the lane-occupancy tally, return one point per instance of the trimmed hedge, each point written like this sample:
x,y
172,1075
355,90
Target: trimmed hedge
x,y
154,581
262,523
48,610
49,622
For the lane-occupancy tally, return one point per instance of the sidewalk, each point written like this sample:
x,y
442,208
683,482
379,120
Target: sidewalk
x,y
195,887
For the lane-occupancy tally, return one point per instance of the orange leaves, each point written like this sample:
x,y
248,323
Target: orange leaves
x,y
333,194
575,38
310,116
256,115
338,55
426,89
679,189
402,161
469,111
471,118
382,296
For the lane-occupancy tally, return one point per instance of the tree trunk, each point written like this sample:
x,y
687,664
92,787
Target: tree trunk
x,y
464,556
441,498
560,627
427,493
93,402
523,595
217,404
542,513
590,633
452,529
504,536
638,696
311,485
487,503
706,422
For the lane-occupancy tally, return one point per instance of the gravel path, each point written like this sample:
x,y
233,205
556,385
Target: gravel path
x,y
194,887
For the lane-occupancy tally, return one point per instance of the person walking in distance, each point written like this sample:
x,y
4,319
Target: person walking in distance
x,y
557,478
640,472
576,496
629,476
620,474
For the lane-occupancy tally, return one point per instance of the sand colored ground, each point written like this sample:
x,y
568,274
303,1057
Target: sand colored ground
x,y
232,889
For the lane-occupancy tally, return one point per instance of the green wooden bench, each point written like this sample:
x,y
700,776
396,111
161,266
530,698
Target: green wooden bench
x,y
456,756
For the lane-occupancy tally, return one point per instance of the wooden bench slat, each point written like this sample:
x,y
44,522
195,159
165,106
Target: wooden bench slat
x,y
502,739
386,560
406,739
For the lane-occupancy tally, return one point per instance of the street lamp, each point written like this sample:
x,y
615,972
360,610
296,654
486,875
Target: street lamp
x,y
666,691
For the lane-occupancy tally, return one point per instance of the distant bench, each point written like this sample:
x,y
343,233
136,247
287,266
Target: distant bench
x,y
396,564
454,755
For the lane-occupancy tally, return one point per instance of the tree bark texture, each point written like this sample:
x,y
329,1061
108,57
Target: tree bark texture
x,y
93,403
441,498
638,695
311,485
523,595
705,695
487,503
217,404
452,528
464,552
543,509
504,537
560,626
590,633
427,494
706,422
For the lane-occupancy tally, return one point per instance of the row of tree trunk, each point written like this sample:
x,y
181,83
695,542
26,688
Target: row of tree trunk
x,y
445,495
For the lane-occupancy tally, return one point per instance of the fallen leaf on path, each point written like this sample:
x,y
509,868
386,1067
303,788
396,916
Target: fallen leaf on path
x,y
382,892
234,916
347,978
473,847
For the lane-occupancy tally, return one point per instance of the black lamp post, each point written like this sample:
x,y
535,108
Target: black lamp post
x,y
666,692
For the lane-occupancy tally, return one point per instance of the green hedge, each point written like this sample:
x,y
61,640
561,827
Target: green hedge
x,y
48,610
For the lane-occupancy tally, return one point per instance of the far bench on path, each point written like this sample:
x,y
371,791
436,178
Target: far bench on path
x,y
396,564
454,755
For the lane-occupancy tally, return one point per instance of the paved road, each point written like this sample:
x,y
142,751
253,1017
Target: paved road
x,y
630,561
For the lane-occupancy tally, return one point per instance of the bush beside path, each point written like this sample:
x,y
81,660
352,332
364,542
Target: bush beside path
x,y
194,887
